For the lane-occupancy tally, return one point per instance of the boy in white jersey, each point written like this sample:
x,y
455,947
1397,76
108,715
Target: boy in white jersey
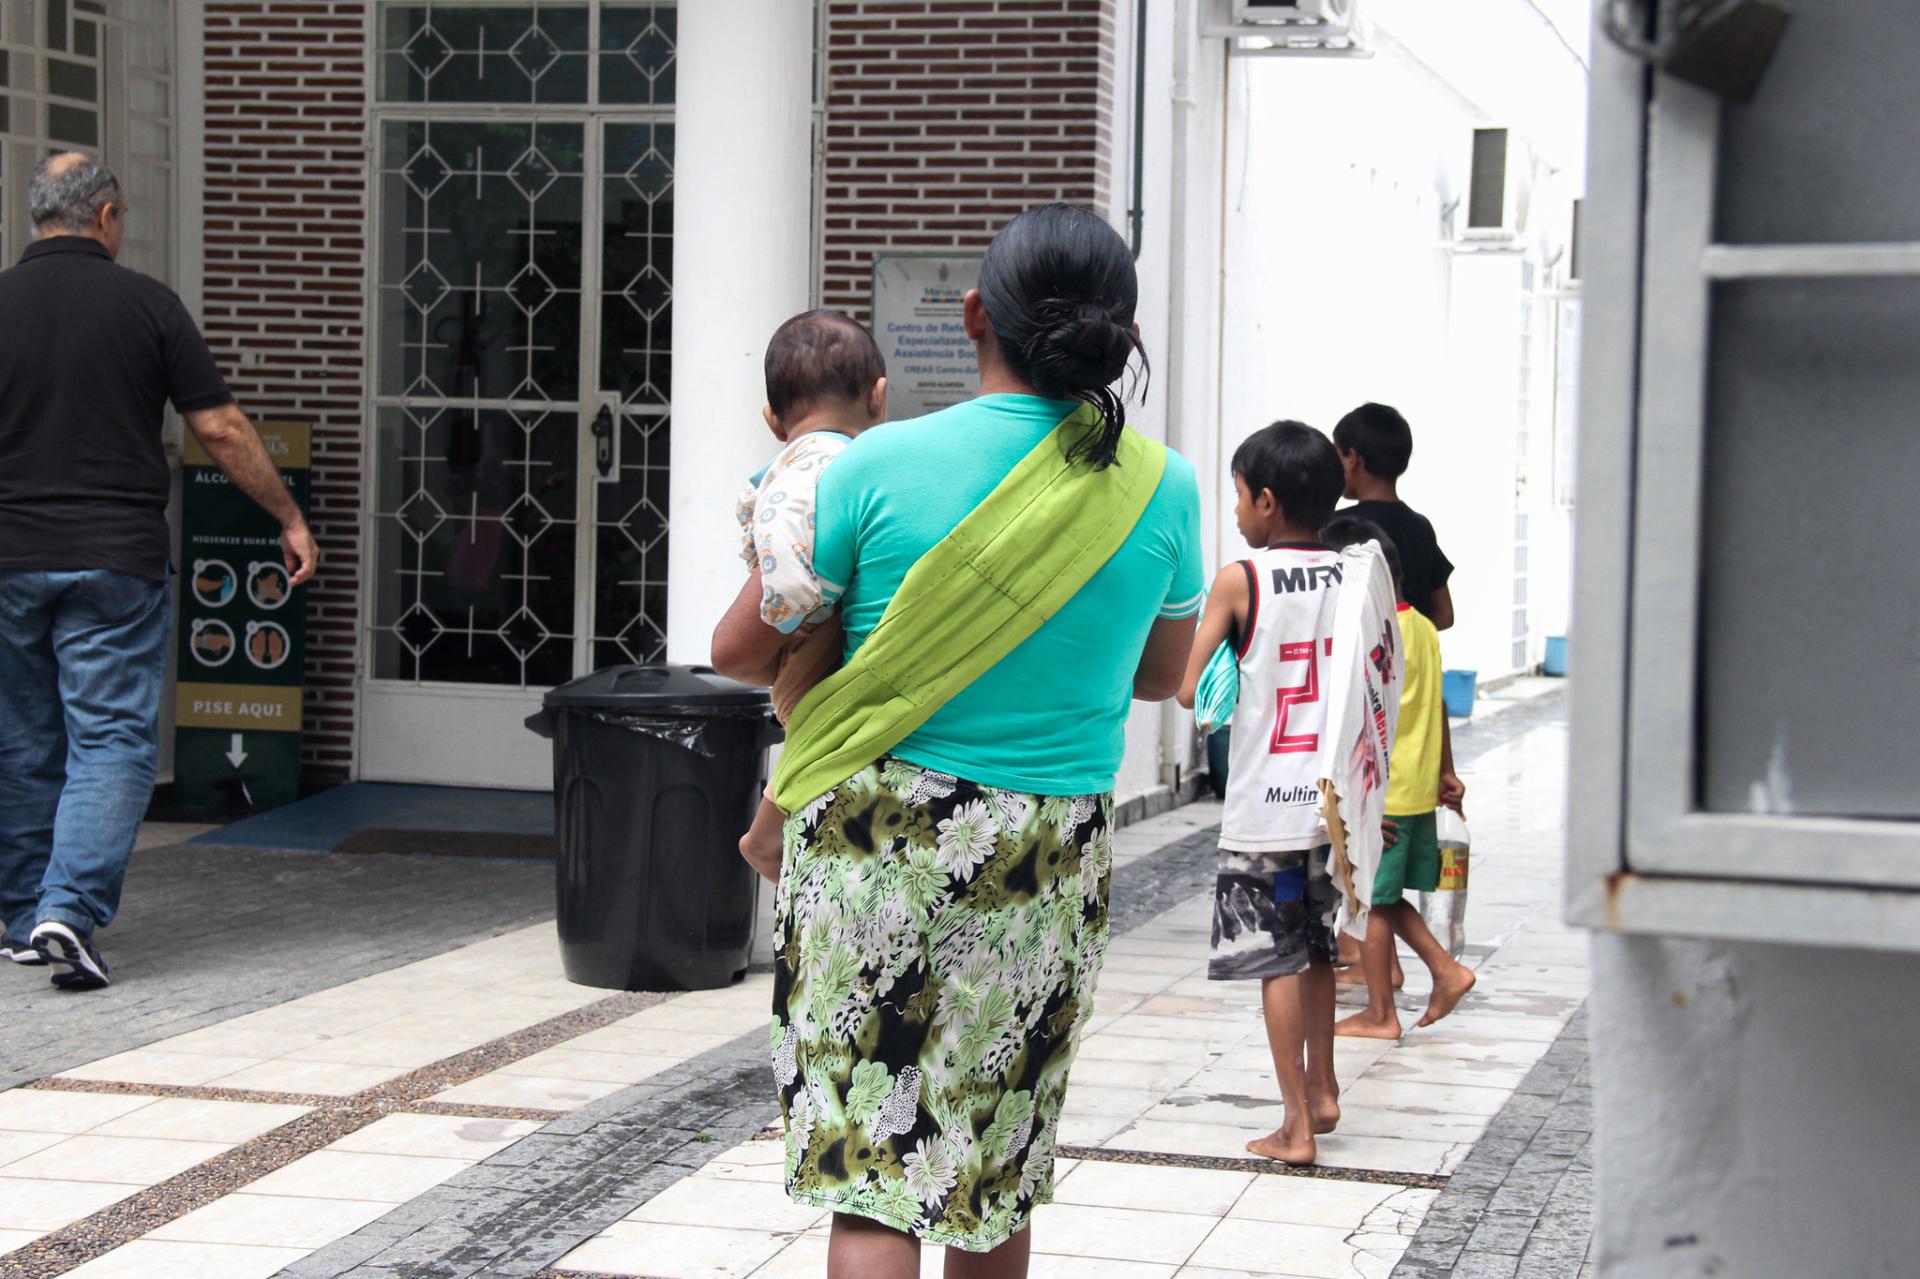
x,y
1274,894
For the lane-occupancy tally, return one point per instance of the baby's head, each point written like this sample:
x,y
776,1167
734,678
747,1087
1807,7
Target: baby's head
x,y
824,372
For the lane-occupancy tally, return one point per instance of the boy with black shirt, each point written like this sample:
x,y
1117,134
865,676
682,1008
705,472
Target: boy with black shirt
x,y
1375,445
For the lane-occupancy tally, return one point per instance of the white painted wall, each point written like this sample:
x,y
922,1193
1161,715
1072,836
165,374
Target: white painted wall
x,y
1755,1109
742,264
1186,107
1341,285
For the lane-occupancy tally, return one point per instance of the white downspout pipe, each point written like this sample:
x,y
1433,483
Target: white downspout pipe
x,y
1176,725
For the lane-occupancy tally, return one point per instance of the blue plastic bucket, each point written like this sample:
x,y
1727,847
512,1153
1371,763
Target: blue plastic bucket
x,y
1456,687
1556,660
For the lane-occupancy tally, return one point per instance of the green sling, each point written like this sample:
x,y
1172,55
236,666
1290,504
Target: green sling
x,y
1004,570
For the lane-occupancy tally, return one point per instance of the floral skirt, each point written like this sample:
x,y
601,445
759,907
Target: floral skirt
x,y
938,945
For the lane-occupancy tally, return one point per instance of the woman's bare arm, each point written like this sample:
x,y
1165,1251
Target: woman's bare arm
x,y
1158,676
744,647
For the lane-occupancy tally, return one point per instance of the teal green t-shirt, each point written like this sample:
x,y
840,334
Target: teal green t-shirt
x,y
1050,718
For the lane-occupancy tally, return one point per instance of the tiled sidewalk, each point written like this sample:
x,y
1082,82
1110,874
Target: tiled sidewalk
x,y
1175,1070
473,1113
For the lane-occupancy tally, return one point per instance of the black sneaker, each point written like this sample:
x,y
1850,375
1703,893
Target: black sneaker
x,y
21,952
64,944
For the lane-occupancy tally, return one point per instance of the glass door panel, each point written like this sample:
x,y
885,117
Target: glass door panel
x,y
475,515
635,368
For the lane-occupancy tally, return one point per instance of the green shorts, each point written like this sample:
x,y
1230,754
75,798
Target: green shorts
x,y
1413,863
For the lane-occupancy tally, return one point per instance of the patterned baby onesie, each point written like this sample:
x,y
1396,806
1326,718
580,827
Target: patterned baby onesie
x,y
775,512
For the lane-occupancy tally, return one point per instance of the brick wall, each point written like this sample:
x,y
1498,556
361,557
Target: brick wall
x,y
947,117
285,240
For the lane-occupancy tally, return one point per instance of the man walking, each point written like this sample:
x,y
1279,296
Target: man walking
x,y
90,354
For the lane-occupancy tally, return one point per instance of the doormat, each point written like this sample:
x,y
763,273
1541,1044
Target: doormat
x,y
449,843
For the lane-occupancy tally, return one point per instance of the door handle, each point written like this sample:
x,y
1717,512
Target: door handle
x,y
603,440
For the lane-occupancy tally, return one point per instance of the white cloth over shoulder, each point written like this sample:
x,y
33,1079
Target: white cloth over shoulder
x,y
776,517
1363,711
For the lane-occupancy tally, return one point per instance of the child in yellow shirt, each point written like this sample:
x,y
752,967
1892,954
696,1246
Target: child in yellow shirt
x,y
1419,780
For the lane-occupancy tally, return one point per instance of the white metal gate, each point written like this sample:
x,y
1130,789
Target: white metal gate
x,y
520,368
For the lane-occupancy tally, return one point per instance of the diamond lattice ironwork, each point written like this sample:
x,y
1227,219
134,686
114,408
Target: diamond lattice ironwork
x,y
534,53
531,289
532,173
427,51
417,629
425,286
651,176
523,633
651,51
526,519
426,172
648,293
644,525
421,515
529,390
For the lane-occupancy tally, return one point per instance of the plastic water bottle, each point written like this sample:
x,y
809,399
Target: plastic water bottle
x,y
1445,910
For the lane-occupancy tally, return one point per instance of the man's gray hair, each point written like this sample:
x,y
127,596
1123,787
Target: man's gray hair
x,y
70,199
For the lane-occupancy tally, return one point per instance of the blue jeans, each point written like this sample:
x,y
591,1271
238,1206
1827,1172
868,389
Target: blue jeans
x,y
83,658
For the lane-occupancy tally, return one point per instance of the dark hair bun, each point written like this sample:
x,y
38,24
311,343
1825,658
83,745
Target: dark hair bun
x,y
1059,289
1076,346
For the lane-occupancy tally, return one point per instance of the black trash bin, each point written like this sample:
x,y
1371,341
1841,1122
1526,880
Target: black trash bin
x,y
657,771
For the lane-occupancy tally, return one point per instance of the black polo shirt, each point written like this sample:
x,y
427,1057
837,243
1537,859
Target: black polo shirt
x,y
90,353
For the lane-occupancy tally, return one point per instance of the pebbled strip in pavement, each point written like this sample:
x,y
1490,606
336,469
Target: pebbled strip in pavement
x,y
515,1214
209,932
331,1119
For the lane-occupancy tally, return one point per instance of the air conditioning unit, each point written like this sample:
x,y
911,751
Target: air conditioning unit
x,y
1500,185
1327,17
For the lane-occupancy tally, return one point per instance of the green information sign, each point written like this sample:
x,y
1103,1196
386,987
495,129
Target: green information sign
x,y
239,702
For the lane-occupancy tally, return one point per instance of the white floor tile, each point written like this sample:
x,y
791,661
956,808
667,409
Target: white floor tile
x,y
154,1259
48,1205
344,1174
150,1066
34,1110
662,1251
1450,1099
1049,1266
570,1062
187,1119
1195,1190
1310,1201
1122,1234
533,1091
282,1221
18,1145
1264,1246
11,1239
701,1200
134,1161
437,1136
371,1048
328,1078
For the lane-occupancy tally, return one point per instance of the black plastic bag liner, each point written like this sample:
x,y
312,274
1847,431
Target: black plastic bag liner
x,y
674,704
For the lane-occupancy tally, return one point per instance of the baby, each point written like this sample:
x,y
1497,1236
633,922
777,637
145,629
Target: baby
x,y
826,383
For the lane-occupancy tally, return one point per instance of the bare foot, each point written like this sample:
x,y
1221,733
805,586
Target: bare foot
x,y
1364,1025
1448,990
1325,1115
1297,1151
1348,979
1399,976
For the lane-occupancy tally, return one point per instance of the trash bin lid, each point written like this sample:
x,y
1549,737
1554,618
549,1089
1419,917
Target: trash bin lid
x,y
659,690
